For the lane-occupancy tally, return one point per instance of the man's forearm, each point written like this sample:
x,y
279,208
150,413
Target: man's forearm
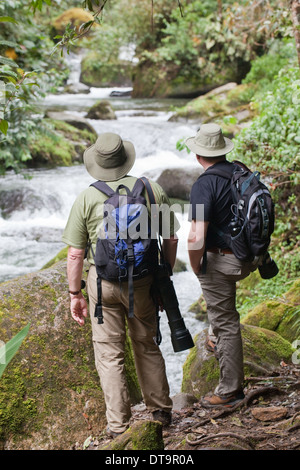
x,y
196,244
170,249
74,268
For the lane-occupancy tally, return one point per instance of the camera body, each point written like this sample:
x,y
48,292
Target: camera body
x,y
165,292
268,268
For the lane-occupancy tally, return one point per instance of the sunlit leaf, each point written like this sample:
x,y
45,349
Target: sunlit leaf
x,y
9,350
3,129
8,19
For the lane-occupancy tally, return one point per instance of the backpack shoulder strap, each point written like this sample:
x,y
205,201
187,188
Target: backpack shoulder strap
x,y
138,188
147,185
103,187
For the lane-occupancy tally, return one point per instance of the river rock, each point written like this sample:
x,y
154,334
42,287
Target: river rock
x,y
21,199
76,121
76,88
263,352
269,413
101,110
50,396
183,400
177,182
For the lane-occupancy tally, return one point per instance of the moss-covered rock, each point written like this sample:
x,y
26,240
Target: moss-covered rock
x,y
199,308
280,315
101,110
230,101
144,435
50,394
60,144
263,351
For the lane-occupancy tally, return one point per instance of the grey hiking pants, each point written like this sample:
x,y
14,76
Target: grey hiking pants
x,y
219,290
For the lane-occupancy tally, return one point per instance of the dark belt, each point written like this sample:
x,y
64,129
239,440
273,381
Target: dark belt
x,y
223,251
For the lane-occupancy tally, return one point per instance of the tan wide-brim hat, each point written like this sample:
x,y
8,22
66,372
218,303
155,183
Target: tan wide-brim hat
x,y
209,142
110,158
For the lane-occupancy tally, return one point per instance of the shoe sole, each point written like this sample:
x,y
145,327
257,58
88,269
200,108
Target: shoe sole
x,y
206,404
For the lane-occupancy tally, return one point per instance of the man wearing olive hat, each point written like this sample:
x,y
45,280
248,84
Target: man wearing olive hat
x,y
223,269
110,159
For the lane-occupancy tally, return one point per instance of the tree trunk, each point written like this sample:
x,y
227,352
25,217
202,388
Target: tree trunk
x,y
295,10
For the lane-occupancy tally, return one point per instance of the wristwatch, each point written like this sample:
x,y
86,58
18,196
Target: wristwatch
x,y
78,291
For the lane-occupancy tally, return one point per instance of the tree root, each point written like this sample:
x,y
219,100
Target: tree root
x,y
245,402
216,436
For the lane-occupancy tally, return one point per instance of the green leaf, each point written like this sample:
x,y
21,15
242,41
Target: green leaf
x,y
9,350
8,43
5,61
8,19
5,73
3,129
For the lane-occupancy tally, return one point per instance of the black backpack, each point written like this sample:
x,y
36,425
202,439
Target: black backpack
x,y
125,251
253,215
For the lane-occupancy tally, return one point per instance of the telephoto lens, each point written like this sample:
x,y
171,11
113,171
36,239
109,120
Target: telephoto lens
x,y
268,268
180,336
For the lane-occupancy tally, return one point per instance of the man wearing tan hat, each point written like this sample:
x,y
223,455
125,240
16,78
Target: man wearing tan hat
x,y
110,159
222,269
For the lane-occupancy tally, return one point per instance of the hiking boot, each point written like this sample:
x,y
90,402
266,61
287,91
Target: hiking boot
x,y
219,402
112,433
163,416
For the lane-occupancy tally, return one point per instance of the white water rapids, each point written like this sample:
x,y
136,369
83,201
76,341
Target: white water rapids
x,y
30,234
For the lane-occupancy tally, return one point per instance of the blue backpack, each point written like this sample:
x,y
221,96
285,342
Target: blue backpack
x,y
125,251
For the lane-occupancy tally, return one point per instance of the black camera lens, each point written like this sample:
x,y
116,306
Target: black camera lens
x,y
180,336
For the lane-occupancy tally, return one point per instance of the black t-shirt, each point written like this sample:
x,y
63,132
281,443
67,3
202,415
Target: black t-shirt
x,y
214,193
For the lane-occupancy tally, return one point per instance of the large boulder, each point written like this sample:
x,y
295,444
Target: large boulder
x,y
76,121
263,351
228,105
177,182
64,142
281,314
101,110
50,394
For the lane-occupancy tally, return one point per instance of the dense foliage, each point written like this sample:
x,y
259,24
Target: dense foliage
x,y
192,42
28,70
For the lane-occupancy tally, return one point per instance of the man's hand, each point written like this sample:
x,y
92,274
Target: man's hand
x,y
78,308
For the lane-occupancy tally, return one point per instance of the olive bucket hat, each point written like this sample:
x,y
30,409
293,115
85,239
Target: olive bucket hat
x,y
209,142
109,158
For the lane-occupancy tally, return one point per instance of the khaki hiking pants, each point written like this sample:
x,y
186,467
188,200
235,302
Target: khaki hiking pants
x,y
219,290
109,348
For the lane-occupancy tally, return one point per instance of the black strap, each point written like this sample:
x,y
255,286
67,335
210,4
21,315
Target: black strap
x,y
130,258
154,213
138,187
154,210
98,307
103,187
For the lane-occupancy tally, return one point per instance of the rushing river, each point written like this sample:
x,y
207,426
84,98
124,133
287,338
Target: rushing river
x,y
30,234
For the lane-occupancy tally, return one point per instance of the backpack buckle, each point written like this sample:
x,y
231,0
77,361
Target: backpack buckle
x,y
130,255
